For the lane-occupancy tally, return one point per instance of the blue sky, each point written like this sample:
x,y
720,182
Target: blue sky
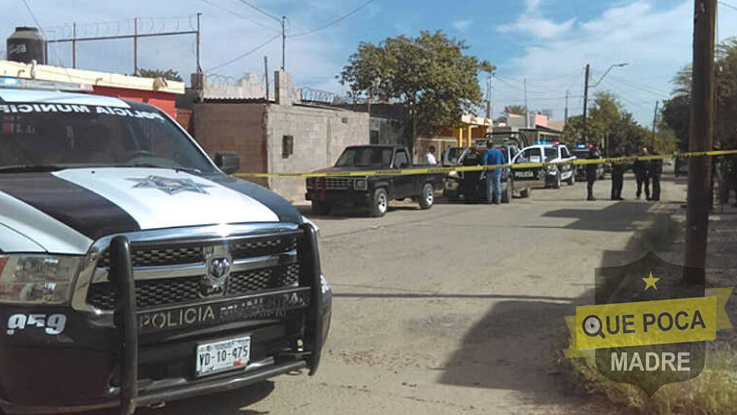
x,y
546,42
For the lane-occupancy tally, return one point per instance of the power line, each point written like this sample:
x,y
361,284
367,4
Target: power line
x,y
237,58
217,6
728,5
336,21
260,10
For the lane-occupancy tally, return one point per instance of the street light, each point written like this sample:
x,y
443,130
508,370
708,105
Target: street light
x,y
586,93
618,65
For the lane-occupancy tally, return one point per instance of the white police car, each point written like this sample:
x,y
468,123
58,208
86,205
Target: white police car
x,y
546,176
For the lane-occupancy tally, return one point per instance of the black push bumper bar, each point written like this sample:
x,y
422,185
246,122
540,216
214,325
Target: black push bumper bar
x,y
125,318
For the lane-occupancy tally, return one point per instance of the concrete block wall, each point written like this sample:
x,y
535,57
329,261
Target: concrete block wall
x,y
320,135
238,127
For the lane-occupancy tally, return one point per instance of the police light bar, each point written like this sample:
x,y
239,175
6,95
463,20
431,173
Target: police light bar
x,y
580,145
20,83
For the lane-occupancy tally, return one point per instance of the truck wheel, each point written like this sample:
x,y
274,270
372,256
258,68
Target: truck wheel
x,y
320,208
427,196
572,180
379,203
525,193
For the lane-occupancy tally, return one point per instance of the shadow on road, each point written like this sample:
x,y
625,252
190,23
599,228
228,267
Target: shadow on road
x,y
617,217
512,347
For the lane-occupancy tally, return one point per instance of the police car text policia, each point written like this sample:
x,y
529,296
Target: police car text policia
x,y
101,198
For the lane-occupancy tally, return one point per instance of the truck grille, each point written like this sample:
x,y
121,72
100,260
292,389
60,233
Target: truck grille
x,y
269,263
330,183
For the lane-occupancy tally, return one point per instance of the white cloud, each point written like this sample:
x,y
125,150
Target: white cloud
x,y
532,4
656,42
462,25
538,27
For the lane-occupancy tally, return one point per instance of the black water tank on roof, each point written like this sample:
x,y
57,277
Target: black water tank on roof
x,y
25,45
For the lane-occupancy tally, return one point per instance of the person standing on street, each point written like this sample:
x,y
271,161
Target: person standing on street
x,y
640,167
617,177
655,170
430,156
591,173
492,157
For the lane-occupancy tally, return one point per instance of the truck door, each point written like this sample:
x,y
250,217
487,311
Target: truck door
x,y
402,184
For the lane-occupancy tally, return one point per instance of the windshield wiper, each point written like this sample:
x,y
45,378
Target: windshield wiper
x,y
30,168
154,166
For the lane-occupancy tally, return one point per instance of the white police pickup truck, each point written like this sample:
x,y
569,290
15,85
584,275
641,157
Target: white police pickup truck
x,y
551,175
133,269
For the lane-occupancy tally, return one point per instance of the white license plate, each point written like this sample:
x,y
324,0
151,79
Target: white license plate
x,y
523,174
222,356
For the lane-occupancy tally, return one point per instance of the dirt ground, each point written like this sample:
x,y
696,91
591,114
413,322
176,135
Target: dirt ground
x,y
453,310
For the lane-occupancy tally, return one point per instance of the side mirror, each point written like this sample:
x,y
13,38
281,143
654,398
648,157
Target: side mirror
x,y
228,161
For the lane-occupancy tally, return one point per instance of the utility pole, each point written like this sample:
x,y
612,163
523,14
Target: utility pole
x,y
283,43
266,76
527,111
135,46
585,103
199,68
488,102
565,114
700,139
74,45
655,120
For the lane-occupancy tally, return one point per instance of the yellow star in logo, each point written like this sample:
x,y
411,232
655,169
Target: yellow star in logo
x,y
650,281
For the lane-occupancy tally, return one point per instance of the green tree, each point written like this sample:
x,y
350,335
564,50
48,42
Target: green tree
x,y
676,111
516,109
429,74
169,74
608,125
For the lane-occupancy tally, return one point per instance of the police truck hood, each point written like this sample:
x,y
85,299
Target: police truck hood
x,y
65,211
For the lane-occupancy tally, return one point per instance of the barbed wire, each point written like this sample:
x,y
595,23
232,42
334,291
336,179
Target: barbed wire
x,y
318,95
147,25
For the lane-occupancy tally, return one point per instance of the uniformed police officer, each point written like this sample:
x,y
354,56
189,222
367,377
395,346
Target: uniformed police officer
x,y
591,172
655,170
618,176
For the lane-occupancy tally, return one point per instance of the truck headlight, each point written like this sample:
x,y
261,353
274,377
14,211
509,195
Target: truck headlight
x,y
453,174
360,184
37,279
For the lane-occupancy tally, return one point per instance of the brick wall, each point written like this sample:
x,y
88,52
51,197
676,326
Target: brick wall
x,y
320,135
238,127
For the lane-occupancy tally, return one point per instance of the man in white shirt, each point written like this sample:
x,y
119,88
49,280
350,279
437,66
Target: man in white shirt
x,y
430,156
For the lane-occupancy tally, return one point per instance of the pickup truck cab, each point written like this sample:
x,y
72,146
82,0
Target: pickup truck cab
x,y
547,176
372,192
133,269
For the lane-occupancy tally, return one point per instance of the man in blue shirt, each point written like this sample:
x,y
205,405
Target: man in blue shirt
x,y
492,157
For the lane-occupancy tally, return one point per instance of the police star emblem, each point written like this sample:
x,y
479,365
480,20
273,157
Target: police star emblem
x,y
170,185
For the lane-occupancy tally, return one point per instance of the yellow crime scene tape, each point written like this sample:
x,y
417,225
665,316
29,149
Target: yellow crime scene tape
x,y
435,170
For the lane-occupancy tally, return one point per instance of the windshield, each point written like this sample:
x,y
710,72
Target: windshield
x,y
551,153
365,157
59,136
453,155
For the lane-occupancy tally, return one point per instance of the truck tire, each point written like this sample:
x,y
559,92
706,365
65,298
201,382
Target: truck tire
x,y
379,203
320,208
525,193
427,196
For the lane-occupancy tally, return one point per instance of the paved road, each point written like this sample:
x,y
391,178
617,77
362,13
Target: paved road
x,y
452,310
